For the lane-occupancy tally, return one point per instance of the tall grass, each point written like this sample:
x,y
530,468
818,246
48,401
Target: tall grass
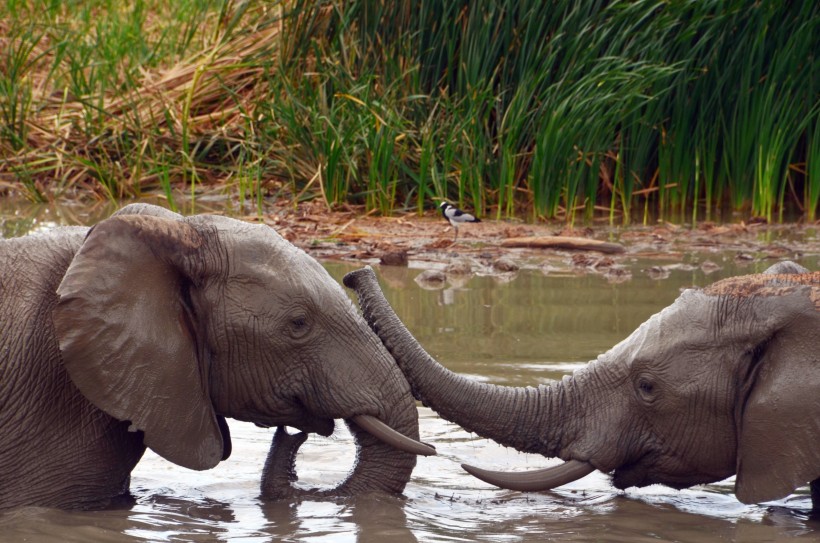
x,y
811,194
634,110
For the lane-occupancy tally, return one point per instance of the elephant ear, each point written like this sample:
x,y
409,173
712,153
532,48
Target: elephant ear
x,y
779,426
128,337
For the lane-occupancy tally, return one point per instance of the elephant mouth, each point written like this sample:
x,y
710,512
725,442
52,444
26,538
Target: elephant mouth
x,y
317,425
321,421
307,424
373,426
648,470
632,474
629,476
640,471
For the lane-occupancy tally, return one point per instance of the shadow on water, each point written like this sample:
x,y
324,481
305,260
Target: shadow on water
x,y
524,329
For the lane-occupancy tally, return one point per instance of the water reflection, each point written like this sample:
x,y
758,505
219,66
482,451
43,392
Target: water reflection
x,y
530,328
20,217
538,326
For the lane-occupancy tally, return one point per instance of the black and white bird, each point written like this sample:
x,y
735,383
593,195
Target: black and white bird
x,y
455,216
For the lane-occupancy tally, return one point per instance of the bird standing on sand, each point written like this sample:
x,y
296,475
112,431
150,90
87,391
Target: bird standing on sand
x,y
456,216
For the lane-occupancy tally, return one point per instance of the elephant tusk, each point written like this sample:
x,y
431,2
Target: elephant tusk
x,y
533,481
399,441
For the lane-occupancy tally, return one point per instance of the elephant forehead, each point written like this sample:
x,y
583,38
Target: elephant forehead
x,y
263,257
673,326
246,238
256,246
257,254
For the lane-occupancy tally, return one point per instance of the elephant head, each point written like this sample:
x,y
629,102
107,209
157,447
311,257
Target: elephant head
x,y
175,323
724,381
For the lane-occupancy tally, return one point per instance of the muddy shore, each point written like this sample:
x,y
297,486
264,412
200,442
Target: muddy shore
x,y
488,247
503,246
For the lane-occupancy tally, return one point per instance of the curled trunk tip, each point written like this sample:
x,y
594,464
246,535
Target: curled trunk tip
x,y
377,442
353,279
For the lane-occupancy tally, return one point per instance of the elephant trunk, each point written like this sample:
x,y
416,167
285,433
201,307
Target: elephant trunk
x,y
379,467
524,418
386,446
512,416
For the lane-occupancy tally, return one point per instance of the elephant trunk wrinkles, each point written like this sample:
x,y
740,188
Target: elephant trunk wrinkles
x,y
516,417
378,466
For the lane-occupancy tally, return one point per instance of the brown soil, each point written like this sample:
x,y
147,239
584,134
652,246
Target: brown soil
x,y
428,241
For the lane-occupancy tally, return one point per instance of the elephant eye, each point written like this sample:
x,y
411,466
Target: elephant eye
x,y
646,389
298,326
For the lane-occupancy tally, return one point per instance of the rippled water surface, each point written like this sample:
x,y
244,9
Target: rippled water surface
x,y
525,329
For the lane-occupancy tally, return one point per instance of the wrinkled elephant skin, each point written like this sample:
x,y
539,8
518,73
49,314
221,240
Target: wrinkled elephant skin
x,y
722,382
150,328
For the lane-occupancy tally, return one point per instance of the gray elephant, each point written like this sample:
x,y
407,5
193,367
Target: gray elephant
x,y
149,329
724,381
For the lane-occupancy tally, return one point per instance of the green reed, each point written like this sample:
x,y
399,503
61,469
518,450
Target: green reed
x,y
811,195
641,108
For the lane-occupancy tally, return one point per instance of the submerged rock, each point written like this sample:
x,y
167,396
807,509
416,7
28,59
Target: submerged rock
x,y
431,279
709,267
394,258
658,272
462,266
505,264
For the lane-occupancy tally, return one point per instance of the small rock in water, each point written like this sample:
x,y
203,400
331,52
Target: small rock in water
x,y
618,275
709,267
658,272
394,258
506,264
461,266
431,279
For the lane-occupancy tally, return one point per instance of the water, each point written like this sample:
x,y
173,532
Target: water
x,y
526,329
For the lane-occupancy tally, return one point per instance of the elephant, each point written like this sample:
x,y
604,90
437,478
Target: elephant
x,y
724,381
150,328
